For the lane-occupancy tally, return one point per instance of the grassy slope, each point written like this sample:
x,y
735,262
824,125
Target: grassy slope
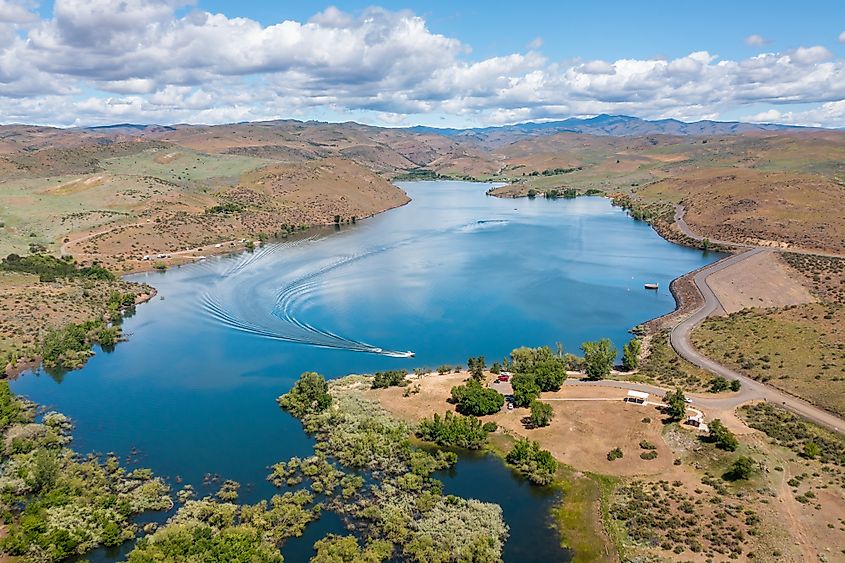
x,y
799,350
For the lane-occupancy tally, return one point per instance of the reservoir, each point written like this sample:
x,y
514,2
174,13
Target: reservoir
x,y
455,273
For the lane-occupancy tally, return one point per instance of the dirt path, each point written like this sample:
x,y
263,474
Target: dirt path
x,y
790,509
65,248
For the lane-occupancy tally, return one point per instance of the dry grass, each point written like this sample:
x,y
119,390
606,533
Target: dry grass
x,y
763,281
779,209
799,349
28,307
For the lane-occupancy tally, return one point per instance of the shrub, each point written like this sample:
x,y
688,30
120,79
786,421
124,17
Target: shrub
x,y
537,465
719,384
541,414
454,430
11,409
722,437
49,268
793,432
614,454
648,455
226,207
392,378
812,450
474,399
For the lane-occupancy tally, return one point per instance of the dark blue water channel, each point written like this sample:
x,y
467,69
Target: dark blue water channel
x,y
452,274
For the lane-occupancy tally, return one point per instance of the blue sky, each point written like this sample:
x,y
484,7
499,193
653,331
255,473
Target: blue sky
x,y
78,62
596,29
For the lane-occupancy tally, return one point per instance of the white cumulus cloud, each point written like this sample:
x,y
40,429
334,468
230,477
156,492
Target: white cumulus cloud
x,y
756,40
165,61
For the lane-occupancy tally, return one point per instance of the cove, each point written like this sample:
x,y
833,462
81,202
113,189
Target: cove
x,y
454,273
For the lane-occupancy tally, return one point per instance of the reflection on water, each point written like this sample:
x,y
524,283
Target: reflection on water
x,y
453,274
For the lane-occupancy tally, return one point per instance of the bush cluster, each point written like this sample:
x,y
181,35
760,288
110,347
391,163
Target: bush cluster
x,y
392,378
474,399
536,464
453,430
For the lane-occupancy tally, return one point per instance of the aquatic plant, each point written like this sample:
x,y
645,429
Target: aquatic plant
x,y
58,505
403,507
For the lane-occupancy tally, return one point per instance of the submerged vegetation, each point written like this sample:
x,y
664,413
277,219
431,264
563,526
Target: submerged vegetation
x,y
402,511
56,504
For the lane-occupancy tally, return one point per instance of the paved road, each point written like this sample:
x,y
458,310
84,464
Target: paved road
x,y
682,225
751,389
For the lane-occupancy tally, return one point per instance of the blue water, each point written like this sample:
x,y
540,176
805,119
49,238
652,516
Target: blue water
x,y
454,273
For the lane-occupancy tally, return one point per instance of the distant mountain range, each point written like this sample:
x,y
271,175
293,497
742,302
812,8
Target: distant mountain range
x,y
611,125
614,125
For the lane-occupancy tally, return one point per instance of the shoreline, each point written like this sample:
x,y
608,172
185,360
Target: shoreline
x,y
228,247
15,371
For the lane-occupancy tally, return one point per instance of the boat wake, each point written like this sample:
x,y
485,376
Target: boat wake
x,y
225,300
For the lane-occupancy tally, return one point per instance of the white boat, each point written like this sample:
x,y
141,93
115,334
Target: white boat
x,y
651,286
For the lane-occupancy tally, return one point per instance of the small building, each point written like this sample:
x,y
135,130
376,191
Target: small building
x,y
636,397
697,421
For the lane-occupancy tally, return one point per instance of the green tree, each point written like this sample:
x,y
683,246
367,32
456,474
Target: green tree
x,y
631,355
722,437
598,358
541,414
309,395
676,404
525,359
550,374
741,469
525,389
476,367
474,399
